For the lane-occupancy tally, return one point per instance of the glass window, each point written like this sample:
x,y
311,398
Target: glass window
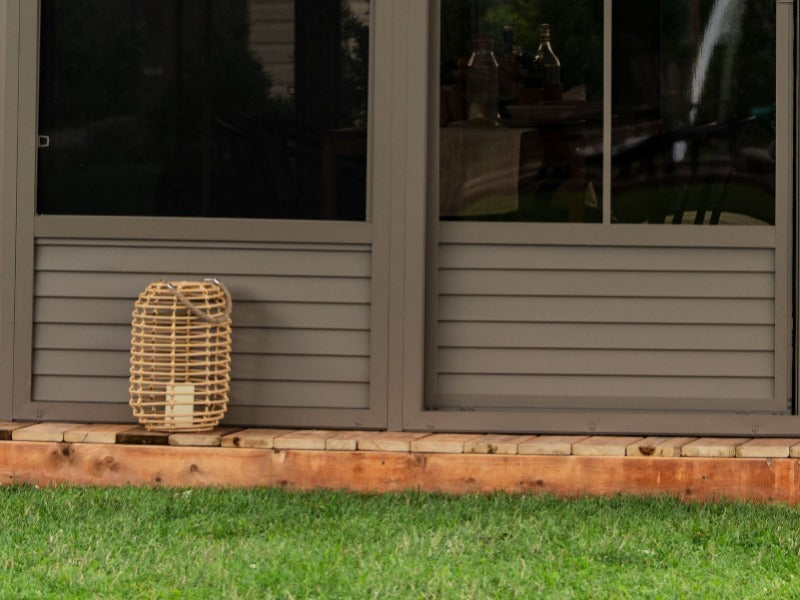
x,y
521,119
216,108
692,117
694,112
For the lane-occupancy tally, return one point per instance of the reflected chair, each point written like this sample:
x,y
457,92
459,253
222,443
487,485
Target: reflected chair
x,y
693,170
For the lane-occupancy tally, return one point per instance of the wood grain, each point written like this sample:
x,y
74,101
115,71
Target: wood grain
x,y
713,447
97,433
6,427
43,432
658,446
204,438
550,445
767,448
344,440
604,445
312,439
496,444
448,443
115,465
252,438
389,441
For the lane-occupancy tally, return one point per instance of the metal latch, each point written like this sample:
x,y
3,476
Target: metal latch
x,y
43,141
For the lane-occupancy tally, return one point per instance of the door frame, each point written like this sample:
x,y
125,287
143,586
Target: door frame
x,y
422,157
20,227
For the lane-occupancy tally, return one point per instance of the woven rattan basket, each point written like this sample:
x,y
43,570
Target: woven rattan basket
x,y
180,355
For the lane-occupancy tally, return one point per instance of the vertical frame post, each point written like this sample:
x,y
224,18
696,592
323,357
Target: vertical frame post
x,y
9,84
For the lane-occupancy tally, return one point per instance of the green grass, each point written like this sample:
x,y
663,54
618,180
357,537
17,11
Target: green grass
x,y
144,543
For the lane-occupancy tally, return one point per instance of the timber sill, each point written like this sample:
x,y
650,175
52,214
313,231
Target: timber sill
x,y
369,461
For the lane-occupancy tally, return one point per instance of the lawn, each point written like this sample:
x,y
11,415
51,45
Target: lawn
x,y
146,543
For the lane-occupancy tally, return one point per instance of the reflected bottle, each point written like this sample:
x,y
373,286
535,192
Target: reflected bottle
x,y
482,82
547,64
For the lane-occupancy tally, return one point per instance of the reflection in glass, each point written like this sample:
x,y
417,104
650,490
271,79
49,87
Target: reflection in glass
x,y
694,112
223,108
521,110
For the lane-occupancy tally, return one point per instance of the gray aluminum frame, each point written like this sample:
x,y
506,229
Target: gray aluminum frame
x,y
594,415
401,161
20,227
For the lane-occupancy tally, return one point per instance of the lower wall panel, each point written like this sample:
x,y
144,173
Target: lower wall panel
x,y
301,318
524,325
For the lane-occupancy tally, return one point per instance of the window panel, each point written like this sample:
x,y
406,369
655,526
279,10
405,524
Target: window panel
x,y
217,108
694,109
521,111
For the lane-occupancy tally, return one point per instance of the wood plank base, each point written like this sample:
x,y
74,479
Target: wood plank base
x,y
701,479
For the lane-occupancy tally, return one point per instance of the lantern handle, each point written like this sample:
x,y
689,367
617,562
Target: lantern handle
x,y
213,319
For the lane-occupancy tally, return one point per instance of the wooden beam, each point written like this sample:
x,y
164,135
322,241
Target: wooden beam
x,y
550,445
767,448
448,443
603,445
389,441
496,444
97,433
712,447
201,438
43,432
658,446
47,463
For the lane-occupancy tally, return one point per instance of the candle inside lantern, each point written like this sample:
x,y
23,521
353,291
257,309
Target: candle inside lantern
x,y
180,404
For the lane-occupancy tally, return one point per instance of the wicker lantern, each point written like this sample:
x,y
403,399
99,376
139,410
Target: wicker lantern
x,y
180,355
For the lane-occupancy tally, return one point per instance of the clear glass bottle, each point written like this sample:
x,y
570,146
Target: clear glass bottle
x,y
482,81
548,65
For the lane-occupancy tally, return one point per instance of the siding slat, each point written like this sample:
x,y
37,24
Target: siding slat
x,y
219,262
611,387
605,362
495,256
289,315
250,340
606,336
256,367
266,288
243,393
606,310
608,283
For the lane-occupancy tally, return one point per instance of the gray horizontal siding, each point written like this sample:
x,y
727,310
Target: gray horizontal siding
x,y
347,290
289,394
104,363
518,322
587,309
495,256
484,282
293,315
301,318
643,388
603,336
573,361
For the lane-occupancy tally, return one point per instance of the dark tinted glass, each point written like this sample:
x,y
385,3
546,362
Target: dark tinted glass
x,y
694,111
521,125
220,108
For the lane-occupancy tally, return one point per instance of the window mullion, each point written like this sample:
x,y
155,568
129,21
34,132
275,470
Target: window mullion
x,y
607,17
